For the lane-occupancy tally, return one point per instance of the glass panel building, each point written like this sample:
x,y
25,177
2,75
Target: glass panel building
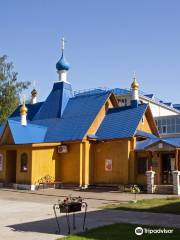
x,y
168,125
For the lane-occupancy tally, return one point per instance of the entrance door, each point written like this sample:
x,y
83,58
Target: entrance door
x,y
11,166
166,168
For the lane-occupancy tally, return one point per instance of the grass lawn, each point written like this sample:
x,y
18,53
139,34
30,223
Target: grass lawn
x,y
162,205
123,231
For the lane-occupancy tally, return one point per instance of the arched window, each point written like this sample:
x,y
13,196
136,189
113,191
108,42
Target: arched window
x,y
1,162
24,162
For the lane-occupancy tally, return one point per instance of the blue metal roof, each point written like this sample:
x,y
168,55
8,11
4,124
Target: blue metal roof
x,y
143,145
149,95
56,102
172,141
145,134
67,118
63,118
27,134
177,106
120,91
121,122
77,118
32,110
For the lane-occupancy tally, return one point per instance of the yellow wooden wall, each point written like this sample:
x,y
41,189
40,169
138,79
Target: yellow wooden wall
x,y
43,162
144,126
132,164
68,164
119,152
99,118
23,177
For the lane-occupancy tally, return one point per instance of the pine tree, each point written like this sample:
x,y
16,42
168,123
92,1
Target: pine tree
x,y
10,88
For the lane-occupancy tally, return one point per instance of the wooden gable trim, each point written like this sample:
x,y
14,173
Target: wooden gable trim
x,y
114,103
159,141
154,147
151,121
151,128
5,133
114,100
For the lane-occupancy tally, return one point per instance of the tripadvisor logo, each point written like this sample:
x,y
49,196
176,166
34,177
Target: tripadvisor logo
x,y
139,231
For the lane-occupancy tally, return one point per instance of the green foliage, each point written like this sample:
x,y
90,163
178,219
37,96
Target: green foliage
x,y
122,231
135,189
157,205
10,88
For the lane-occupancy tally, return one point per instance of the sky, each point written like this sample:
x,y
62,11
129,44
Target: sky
x,y
107,40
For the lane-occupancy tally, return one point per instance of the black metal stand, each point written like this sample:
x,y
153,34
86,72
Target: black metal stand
x,y
56,207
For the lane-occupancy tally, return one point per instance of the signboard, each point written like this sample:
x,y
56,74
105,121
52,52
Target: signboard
x,y
108,165
1,162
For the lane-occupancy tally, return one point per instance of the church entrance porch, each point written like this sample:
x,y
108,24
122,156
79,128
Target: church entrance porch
x,y
167,166
11,163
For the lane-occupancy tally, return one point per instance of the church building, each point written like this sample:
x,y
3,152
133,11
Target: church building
x,y
82,140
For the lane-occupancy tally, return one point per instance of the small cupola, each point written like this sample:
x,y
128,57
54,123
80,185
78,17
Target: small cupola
x,y
62,65
33,96
23,114
134,92
134,84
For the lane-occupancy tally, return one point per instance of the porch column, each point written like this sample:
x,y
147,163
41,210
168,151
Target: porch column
x,y
84,165
176,182
150,181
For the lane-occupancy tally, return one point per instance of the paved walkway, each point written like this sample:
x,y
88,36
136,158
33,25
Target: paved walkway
x,y
27,215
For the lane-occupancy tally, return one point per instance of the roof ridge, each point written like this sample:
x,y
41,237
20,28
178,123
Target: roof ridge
x,y
91,94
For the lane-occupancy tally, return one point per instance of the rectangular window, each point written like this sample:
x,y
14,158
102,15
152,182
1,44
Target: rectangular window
x,y
163,121
142,165
177,120
159,129
164,129
24,162
177,128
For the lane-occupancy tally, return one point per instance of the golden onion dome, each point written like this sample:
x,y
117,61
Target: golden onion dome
x,y
23,109
135,84
34,92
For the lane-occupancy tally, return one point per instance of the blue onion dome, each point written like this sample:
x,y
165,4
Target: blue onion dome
x,y
62,64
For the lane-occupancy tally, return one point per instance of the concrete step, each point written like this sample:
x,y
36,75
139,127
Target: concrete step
x,y
164,189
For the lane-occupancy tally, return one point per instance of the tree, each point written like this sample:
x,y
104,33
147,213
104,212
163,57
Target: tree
x,y
10,88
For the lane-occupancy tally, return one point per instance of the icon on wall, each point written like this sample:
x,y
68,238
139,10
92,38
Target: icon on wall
x,y
108,165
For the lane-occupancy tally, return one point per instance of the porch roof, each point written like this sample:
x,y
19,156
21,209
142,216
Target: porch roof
x,y
145,134
143,145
